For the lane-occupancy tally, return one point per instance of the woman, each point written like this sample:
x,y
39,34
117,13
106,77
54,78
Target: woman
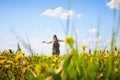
x,y
55,48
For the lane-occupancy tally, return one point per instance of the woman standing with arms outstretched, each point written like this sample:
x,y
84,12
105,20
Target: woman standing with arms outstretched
x,y
56,45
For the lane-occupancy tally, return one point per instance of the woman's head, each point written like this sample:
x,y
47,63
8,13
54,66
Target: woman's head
x,y
54,37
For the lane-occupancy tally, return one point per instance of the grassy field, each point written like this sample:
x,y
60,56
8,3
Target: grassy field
x,y
74,65
91,65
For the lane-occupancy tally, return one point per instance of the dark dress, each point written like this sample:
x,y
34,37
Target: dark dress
x,y
55,48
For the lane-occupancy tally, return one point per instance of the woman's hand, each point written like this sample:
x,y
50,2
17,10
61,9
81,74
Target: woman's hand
x,y
44,42
47,42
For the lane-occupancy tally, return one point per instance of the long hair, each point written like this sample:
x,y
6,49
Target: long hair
x,y
55,37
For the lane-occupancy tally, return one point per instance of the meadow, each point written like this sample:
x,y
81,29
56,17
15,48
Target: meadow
x,y
91,65
87,64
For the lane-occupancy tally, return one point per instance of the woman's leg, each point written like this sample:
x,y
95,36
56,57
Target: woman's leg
x,y
56,52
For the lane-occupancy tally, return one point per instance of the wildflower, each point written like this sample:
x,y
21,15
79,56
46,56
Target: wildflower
x,y
48,57
41,69
101,75
69,40
24,62
23,53
118,50
83,46
7,66
19,55
55,60
2,61
57,66
115,55
52,65
91,60
24,69
2,57
10,62
116,62
116,70
106,56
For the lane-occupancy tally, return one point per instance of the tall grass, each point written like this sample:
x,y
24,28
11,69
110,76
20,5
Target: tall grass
x,y
98,32
115,30
68,18
26,45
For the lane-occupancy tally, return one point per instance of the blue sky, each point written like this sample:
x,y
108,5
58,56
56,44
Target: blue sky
x,y
40,19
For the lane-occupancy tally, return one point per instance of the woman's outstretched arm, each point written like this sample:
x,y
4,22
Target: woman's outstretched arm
x,y
47,42
61,40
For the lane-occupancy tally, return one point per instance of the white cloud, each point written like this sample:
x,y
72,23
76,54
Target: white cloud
x,y
114,4
79,15
93,30
61,13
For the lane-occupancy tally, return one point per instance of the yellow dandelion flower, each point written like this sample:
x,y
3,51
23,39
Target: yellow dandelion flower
x,y
10,62
116,62
23,53
106,56
48,57
7,66
2,57
115,55
118,50
41,69
69,40
116,70
53,65
83,46
100,76
3,61
54,60
91,60
24,69
19,55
